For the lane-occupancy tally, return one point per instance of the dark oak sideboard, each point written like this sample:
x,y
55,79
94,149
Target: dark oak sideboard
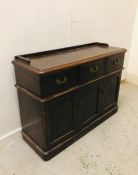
x,y
64,93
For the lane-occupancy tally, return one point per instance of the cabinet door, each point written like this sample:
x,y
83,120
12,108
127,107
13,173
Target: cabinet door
x,y
60,114
89,102
110,90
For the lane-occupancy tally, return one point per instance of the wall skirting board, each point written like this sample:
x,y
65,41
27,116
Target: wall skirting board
x,y
130,78
10,137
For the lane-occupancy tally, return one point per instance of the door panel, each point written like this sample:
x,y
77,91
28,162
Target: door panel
x,y
89,100
60,117
110,89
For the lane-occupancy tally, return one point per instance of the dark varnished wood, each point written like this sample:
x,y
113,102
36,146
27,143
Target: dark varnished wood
x,y
58,82
91,70
32,119
114,62
64,93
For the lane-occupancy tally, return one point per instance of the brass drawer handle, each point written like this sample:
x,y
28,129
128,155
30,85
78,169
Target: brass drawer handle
x,y
94,69
116,61
58,81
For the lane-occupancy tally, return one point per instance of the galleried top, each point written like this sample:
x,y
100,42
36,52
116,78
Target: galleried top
x,y
52,60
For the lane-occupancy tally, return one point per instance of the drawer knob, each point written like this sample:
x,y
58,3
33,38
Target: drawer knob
x,y
116,62
94,69
58,81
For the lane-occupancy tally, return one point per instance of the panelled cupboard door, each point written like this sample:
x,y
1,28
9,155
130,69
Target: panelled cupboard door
x,y
60,117
110,90
89,102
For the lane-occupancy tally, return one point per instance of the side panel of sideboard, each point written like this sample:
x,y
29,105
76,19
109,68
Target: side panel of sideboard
x,y
31,112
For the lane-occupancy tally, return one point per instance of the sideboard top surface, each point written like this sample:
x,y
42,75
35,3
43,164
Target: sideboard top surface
x,y
44,62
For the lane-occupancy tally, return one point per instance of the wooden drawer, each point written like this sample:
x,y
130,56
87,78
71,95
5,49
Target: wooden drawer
x,y
47,84
58,82
114,62
91,70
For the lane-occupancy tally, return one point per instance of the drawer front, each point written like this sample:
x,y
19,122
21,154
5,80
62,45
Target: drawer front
x,y
114,62
58,82
91,70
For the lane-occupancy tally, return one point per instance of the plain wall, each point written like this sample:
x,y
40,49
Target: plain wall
x,y
31,26
132,71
